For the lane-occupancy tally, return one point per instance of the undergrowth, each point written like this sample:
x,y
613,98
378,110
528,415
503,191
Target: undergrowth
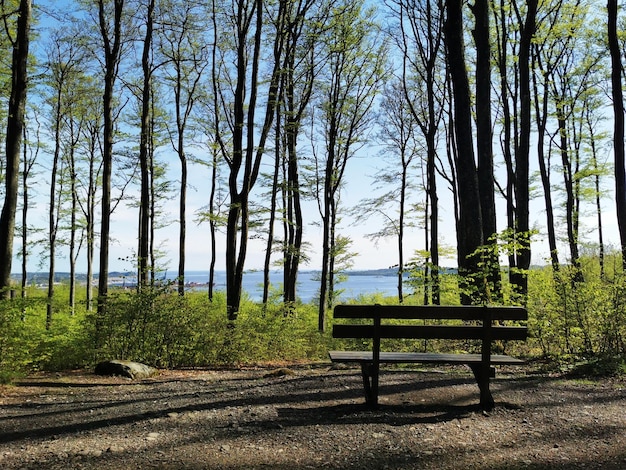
x,y
579,326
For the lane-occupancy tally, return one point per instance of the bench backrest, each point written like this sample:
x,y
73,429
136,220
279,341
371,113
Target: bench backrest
x,y
489,318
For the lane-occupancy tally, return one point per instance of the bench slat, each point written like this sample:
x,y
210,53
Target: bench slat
x,y
504,333
409,357
460,312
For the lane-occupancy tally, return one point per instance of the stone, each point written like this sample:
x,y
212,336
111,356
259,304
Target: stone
x,y
129,369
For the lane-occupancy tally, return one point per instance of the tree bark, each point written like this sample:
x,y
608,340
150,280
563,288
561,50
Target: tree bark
x,y
143,253
522,155
112,47
15,131
484,148
53,216
618,125
469,229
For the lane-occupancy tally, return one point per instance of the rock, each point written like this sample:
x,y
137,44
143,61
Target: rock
x,y
130,369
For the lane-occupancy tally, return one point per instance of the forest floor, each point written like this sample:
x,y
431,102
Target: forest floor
x,y
311,416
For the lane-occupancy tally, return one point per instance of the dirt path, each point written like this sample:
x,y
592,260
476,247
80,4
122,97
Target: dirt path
x,y
312,417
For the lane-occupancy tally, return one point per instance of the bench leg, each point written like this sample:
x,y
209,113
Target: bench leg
x,y
482,375
370,384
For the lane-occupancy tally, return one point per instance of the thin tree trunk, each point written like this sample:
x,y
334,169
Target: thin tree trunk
x,y
74,243
541,113
598,189
55,192
90,213
143,253
570,199
26,169
25,195
213,225
269,247
182,235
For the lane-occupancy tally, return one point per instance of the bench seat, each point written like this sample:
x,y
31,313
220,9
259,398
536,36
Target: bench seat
x,y
411,357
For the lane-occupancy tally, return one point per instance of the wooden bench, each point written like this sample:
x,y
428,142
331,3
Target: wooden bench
x,y
485,324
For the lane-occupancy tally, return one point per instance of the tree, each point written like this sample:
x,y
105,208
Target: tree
x,y
145,154
111,31
92,150
618,123
301,66
64,59
597,170
355,66
568,82
28,165
522,154
299,24
424,83
185,59
14,135
515,34
469,223
401,154
484,146
541,100
243,151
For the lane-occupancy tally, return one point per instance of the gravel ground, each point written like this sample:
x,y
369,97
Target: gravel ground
x,y
311,417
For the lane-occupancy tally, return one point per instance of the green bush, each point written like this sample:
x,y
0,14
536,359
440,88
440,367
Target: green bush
x,y
569,321
166,330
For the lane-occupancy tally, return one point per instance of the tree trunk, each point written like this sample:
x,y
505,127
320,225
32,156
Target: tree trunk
x,y
213,225
570,198
182,234
74,243
90,214
55,192
469,230
598,189
143,253
269,246
541,113
484,148
246,156
522,155
111,58
27,165
618,125
296,106
15,131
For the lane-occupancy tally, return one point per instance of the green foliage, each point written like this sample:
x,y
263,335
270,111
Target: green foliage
x,y
419,270
166,330
13,353
577,323
572,320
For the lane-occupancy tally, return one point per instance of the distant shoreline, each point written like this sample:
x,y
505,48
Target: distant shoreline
x,y
169,274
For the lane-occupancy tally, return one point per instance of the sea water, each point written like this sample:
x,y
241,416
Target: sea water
x,y
356,284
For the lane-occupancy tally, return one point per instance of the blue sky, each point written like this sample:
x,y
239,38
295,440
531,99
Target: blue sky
x,y
358,185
